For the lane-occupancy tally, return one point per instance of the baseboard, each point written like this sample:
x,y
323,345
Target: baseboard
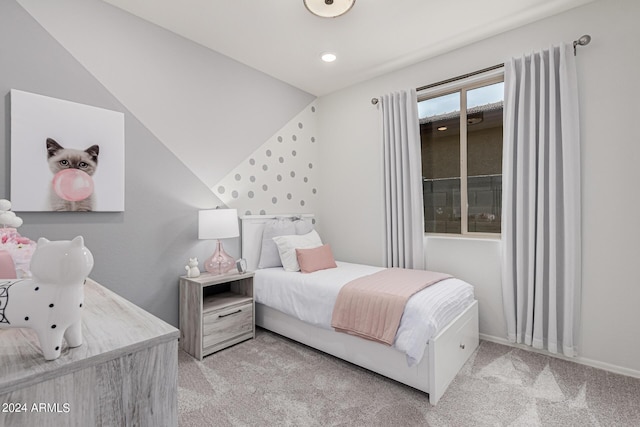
x,y
578,359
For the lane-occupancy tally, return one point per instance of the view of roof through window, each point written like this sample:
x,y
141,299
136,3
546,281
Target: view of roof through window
x,y
451,103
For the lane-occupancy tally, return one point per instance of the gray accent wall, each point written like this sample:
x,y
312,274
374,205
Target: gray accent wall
x,y
141,252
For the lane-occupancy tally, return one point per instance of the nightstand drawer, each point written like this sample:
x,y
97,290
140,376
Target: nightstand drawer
x,y
220,327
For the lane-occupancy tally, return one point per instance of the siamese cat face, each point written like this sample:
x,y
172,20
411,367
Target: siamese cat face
x,y
60,158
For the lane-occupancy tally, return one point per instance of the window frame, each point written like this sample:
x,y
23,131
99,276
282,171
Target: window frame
x,y
463,86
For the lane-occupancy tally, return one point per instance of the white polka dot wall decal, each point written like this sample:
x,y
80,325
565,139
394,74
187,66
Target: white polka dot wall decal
x,y
289,196
281,159
238,177
247,212
252,162
279,139
265,187
295,138
234,194
306,179
313,109
300,125
314,191
265,167
252,178
268,153
293,174
250,194
313,139
294,153
279,177
263,212
221,189
310,165
301,202
274,200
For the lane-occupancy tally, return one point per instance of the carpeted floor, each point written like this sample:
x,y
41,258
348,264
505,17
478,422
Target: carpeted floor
x,y
272,381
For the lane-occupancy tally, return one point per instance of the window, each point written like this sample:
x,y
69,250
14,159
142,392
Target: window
x,y
461,135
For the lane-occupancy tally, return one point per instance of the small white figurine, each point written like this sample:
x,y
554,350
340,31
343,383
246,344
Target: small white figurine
x,y
51,302
192,268
7,217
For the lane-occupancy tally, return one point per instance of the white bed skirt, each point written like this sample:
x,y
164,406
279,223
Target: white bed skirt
x,y
443,357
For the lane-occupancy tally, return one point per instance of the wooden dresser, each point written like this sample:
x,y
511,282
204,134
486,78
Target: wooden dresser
x,y
124,374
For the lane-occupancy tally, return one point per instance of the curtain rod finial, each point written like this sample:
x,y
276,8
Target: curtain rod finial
x,y
582,41
374,101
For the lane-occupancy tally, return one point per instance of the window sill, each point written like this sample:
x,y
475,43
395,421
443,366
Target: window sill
x,y
469,236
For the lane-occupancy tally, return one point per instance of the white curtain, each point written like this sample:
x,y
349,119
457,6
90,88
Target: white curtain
x,y
541,272
404,211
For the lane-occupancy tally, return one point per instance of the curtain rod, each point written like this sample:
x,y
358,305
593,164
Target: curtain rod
x,y
582,41
374,101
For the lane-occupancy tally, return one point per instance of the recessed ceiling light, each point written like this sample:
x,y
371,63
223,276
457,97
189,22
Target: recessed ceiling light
x,y
329,57
441,128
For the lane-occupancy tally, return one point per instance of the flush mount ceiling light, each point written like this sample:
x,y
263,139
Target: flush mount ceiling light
x,y
328,8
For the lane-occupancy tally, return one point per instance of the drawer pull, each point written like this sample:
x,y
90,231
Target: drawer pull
x,y
229,314
462,346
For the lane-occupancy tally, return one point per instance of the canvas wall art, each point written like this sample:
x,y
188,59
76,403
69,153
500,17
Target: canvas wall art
x,y
65,156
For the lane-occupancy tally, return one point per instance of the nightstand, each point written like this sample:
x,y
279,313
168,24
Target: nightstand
x,y
216,311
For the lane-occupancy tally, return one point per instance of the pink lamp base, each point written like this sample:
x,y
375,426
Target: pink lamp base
x,y
220,262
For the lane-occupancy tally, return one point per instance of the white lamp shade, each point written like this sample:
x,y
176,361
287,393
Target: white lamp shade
x,y
218,224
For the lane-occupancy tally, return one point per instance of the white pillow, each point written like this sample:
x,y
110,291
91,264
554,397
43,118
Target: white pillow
x,y
287,246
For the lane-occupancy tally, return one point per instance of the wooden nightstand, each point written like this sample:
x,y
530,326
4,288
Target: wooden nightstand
x,y
216,311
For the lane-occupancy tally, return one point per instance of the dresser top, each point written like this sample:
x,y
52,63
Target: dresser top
x,y
111,327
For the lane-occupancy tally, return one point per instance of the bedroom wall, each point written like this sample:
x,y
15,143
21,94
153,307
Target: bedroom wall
x,y
140,252
350,130
209,110
281,176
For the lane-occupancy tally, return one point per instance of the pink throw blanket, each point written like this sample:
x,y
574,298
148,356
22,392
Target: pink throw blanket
x,y
371,306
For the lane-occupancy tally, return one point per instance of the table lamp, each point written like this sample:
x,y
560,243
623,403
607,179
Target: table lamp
x,y
218,224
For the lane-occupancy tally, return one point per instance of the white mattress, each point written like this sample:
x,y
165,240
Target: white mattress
x,y
311,297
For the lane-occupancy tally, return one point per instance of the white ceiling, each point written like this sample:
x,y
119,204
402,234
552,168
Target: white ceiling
x,y
282,39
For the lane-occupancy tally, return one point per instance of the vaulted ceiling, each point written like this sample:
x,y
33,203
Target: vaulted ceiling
x,y
282,39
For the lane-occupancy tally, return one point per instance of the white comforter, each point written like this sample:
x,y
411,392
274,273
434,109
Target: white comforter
x,y
311,297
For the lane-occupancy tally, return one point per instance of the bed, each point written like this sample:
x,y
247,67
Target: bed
x,y
430,368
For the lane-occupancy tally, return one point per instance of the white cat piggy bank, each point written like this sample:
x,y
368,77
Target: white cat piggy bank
x,y
51,301
192,268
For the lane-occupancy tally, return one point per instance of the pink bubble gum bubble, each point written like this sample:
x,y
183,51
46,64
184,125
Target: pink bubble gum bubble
x,y
72,185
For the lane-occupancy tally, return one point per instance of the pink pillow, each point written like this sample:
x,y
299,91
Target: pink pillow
x,y
315,259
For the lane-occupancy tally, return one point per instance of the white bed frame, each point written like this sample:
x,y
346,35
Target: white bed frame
x,y
444,355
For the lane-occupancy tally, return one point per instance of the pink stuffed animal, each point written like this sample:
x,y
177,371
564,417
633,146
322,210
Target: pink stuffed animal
x,y
19,248
7,266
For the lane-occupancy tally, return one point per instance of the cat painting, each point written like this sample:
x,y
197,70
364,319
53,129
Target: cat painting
x,y
60,158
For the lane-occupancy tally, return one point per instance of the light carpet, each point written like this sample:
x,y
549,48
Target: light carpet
x,y
273,381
